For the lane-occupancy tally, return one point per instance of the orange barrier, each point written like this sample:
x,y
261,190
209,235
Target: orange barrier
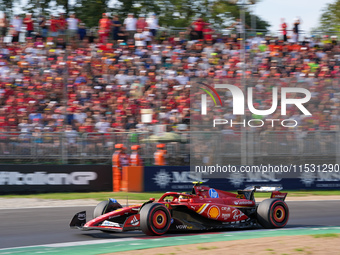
x,y
133,178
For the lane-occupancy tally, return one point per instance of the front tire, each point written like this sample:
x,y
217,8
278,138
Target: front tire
x,y
155,219
272,213
105,207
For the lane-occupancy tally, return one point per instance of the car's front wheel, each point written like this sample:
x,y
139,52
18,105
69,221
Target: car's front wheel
x,y
155,219
105,207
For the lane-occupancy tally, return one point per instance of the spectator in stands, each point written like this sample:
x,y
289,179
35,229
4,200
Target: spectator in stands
x,y
104,28
141,22
130,25
102,125
208,32
37,135
147,35
53,26
28,21
3,26
43,28
82,31
296,30
198,26
117,29
140,41
153,24
24,126
284,29
62,26
71,138
16,25
72,25
129,76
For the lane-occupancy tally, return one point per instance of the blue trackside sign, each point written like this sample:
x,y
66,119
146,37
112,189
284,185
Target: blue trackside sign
x,y
179,178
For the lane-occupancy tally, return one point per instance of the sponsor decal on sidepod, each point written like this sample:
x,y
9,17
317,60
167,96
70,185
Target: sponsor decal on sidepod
x,y
225,216
237,214
214,212
213,193
243,202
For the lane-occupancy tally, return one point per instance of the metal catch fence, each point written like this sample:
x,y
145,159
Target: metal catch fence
x,y
275,147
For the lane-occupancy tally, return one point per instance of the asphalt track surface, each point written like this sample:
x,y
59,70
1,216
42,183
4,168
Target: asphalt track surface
x,y
38,226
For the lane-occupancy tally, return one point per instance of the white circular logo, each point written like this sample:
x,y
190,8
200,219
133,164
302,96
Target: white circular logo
x,y
162,178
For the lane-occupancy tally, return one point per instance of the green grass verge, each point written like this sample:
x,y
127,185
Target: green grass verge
x,y
204,248
145,196
329,235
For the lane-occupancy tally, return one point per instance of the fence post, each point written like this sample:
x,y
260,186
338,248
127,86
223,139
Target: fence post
x,y
83,153
250,142
300,141
63,149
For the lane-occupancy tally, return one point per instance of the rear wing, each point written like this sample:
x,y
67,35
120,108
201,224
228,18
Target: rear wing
x,y
275,190
264,188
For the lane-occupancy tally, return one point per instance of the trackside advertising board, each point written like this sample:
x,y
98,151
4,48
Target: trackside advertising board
x,y
179,178
24,179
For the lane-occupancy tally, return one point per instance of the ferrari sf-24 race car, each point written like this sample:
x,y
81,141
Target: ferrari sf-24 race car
x,y
204,209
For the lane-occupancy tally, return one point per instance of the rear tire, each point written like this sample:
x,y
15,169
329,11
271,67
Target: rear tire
x,y
272,213
155,219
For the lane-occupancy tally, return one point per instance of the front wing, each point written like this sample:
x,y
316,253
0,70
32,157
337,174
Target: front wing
x,y
105,223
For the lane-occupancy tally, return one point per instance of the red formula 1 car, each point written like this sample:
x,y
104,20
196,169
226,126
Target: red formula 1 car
x,y
204,209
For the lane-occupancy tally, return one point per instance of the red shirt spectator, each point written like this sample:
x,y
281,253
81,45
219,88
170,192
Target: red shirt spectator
x,y
141,23
54,25
29,22
105,23
62,23
199,24
208,32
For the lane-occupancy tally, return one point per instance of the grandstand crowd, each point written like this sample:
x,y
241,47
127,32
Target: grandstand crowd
x,y
64,77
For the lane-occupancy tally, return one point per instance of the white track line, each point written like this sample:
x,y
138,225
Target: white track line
x,y
79,243
70,244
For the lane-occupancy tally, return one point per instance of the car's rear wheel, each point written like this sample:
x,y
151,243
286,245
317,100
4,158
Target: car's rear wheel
x,y
155,219
272,213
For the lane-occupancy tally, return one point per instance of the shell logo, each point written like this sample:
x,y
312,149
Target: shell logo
x,y
214,212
